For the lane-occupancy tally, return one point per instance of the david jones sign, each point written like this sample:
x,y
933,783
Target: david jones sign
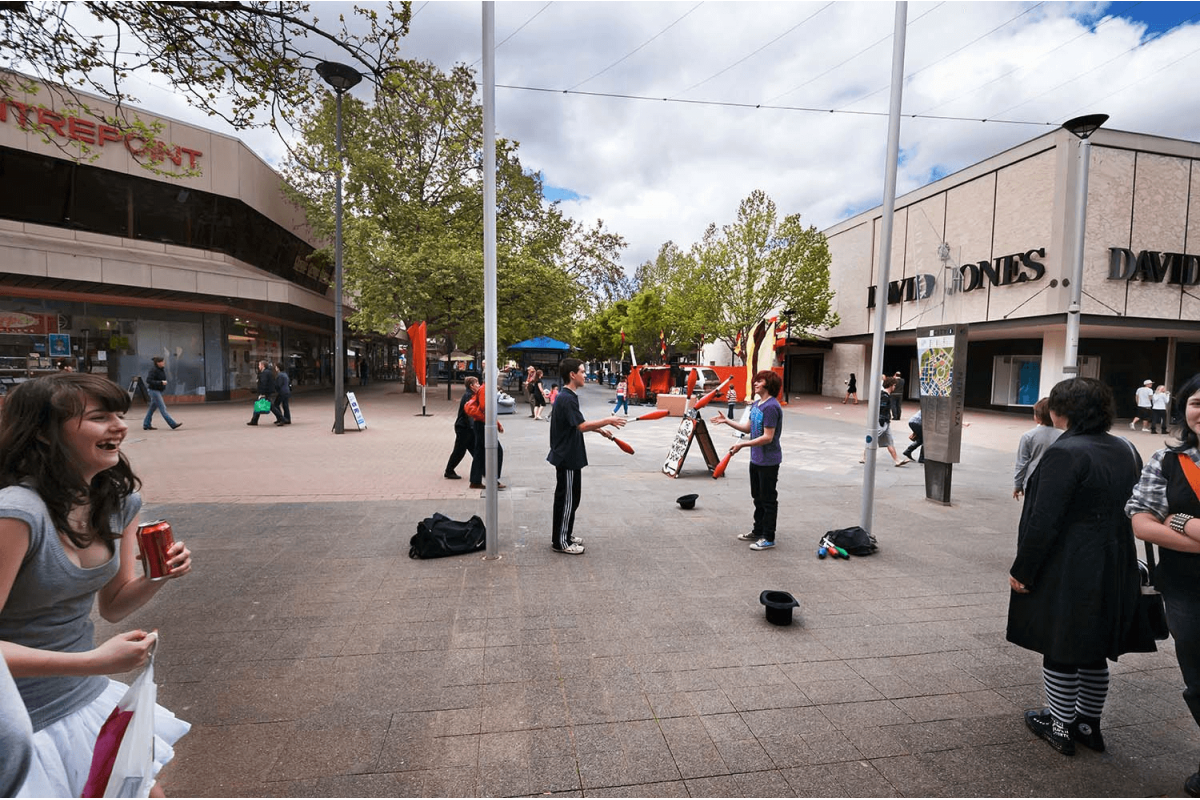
x,y
1003,271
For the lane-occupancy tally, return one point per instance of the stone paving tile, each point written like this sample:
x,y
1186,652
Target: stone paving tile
x,y
644,668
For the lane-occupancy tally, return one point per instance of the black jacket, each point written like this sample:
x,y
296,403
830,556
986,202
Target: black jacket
x,y
283,384
1076,552
463,422
266,382
157,379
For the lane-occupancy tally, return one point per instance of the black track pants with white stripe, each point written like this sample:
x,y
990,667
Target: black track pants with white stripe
x,y
567,491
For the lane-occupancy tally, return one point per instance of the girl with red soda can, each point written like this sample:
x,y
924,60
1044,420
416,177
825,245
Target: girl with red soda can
x,y
69,505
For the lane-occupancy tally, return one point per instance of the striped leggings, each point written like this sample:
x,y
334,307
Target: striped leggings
x,y
1075,689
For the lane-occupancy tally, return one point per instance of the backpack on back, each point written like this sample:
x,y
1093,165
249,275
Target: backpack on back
x,y
439,536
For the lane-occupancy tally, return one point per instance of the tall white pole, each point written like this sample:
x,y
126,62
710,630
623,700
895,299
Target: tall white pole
x,y
1075,304
339,346
885,264
491,371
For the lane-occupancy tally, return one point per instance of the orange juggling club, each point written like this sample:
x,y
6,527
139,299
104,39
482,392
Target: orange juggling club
x,y
708,398
658,414
691,382
724,462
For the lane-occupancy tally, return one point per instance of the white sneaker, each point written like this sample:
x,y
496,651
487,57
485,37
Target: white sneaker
x,y
1133,426
571,550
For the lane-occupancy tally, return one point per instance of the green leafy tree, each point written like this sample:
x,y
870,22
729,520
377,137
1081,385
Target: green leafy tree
x,y
748,270
413,218
248,63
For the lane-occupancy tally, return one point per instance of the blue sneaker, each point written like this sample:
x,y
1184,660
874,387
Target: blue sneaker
x,y
762,544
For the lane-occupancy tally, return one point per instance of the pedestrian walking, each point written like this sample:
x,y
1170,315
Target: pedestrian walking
x,y
476,409
764,424
1144,397
266,391
530,375
851,389
731,398
1165,510
68,547
539,396
622,396
568,455
1159,404
1032,445
1075,581
464,431
884,436
281,406
897,395
156,382
917,437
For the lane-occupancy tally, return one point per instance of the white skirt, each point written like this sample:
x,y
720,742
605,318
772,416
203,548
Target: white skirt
x,y
62,752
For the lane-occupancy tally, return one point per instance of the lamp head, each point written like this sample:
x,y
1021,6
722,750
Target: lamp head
x,y
1085,126
787,312
339,76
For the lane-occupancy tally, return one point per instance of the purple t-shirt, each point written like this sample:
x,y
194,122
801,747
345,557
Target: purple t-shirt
x,y
766,414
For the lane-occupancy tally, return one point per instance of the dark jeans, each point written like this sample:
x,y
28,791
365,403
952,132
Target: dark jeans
x,y
1183,618
763,490
464,440
479,455
1158,420
895,406
568,488
917,442
281,408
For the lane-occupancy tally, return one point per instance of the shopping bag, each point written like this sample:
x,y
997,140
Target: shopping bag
x,y
123,761
262,405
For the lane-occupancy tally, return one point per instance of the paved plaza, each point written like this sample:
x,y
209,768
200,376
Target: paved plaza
x,y
314,658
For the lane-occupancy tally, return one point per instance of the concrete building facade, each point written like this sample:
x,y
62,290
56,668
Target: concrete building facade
x,y
105,263
993,246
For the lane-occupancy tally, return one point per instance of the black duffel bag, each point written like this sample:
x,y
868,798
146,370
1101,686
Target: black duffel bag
x,y
855,541
439,536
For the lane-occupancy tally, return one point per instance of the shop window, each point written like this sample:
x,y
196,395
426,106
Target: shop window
x,y
1016,380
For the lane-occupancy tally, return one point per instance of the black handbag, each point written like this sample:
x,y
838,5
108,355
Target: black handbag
x,y
1150,614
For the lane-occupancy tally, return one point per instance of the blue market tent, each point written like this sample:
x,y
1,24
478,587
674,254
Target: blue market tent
x,y
541,352
541,343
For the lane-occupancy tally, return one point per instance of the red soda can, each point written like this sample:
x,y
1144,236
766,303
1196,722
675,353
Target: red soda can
x,y
154,540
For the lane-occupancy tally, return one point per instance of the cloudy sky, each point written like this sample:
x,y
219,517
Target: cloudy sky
x,y
659,117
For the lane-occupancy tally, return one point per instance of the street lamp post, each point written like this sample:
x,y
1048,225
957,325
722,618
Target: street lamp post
x,y
787,315
341,79
1082,127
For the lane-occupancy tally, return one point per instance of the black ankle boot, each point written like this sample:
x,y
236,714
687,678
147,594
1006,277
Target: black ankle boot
x,y
1192,785
1086,731
1050,729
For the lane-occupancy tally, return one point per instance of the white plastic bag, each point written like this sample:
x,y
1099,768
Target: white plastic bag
x,y
123,761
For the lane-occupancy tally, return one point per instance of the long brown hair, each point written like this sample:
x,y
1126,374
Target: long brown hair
x,y
32,450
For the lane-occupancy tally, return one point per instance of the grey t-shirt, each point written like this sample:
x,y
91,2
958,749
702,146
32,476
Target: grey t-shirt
x,y
49,606
16,736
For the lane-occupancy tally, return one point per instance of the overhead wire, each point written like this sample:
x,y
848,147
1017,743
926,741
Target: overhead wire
x,y
639,47
948,55
756,52
851,58
764,106
1030,65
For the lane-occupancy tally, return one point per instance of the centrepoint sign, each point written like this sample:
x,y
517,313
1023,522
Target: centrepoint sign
x,y
91,132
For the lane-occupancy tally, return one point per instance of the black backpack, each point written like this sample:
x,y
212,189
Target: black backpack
x,y
855,541
439,536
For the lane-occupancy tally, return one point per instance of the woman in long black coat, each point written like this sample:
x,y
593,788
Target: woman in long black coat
x,y
1075,579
